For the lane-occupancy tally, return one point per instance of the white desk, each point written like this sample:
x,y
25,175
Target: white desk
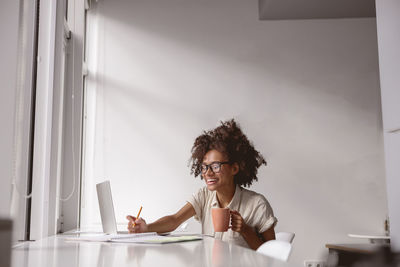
x,y
55,251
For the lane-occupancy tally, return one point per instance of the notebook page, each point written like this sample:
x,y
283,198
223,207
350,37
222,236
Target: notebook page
x,y
107,238
157,239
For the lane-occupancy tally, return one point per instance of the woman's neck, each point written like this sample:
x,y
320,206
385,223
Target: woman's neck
x,y
225,195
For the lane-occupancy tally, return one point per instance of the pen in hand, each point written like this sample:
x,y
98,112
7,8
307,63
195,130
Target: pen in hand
x,y
137,217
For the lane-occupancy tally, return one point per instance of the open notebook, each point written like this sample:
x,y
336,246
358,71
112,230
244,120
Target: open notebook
x,y
144,238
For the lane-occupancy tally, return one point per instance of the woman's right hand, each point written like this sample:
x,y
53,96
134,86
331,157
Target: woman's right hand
x,y
136,225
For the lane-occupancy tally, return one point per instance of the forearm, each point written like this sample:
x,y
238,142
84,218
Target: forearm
x,y
164,224
250,236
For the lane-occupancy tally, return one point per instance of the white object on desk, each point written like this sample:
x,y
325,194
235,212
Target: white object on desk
x,y
372,238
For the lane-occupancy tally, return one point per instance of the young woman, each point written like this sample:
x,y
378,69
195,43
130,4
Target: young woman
x,y
226,160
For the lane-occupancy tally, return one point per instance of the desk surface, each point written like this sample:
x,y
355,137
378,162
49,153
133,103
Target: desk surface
x,y
55,251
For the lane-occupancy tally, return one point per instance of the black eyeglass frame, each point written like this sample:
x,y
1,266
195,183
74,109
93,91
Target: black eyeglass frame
x,y
220,163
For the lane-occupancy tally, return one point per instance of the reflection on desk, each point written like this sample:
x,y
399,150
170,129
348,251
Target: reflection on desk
x,y
55,251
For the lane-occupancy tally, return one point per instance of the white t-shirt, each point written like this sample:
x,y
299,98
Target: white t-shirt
x,y
253,207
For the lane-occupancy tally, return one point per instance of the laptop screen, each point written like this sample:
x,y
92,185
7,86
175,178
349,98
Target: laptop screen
x,y
106,208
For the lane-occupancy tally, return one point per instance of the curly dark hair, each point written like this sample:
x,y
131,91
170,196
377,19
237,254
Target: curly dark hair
x,y
228,139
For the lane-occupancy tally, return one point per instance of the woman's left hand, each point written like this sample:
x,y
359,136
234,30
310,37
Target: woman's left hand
x,y
237,222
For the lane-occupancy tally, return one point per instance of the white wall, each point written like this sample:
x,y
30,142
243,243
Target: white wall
x,y
9,10
306,92
388,24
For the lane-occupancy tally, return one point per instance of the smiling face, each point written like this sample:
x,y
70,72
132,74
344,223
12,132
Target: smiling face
x,y
223,179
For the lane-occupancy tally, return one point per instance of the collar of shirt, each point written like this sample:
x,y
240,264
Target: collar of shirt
x,y
235,202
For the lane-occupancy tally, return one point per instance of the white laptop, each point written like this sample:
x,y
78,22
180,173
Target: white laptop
x,y
110,224
108,221
107,208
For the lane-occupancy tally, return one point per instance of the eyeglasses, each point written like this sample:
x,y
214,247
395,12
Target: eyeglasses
x,y
215,166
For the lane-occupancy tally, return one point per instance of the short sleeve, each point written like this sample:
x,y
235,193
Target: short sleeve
x,y
264,216
198,200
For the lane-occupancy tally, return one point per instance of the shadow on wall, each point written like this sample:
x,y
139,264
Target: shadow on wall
x,y
292,52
